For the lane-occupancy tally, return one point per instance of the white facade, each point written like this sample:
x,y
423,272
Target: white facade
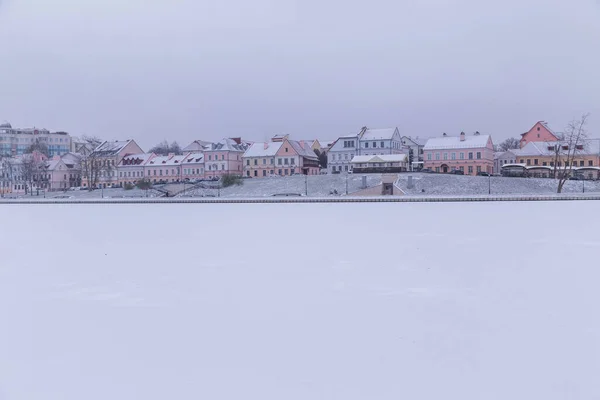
x,y
15,141
340,155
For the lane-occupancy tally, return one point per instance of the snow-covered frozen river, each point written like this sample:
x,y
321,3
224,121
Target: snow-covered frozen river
x,y
300,301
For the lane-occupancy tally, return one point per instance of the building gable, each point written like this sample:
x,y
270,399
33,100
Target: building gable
x,y
538,133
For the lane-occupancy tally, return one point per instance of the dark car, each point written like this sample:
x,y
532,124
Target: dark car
x,y
457,172
426,171
482,173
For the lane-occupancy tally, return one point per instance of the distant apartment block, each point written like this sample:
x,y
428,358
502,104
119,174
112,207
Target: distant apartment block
x,y
16,141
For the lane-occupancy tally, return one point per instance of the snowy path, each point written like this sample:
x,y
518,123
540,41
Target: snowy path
x,y
276,301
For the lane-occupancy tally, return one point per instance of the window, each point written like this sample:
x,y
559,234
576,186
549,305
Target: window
x,y
590,163
366,145
264,172
581,163
471,168
445,156
345,156
292,161
264,161
462,169
374,145
479,155
462,156
528,161
535,161
279,161
209,157
223,157
522,160
544,163
286,161
478,168
382,144
247,162
248,173
453,156
255,173
428,156
286,171
437,169
279,171
286,149
255,161
470,156
223,167
552,163
437,156
161,172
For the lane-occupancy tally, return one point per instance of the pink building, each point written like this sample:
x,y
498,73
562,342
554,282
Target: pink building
x,y
132,167
165,169
193,166
281,157
469,154
225,157
540,132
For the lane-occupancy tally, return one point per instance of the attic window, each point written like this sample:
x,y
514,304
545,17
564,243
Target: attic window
x,y
286,149
565,147
579,147
538,130
551,148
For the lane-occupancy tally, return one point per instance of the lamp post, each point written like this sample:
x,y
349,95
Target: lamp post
x,y
489,183
346,183
306,184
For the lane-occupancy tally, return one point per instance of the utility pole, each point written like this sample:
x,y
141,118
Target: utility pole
x,y
489,183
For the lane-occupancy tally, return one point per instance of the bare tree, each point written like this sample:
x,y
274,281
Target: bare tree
x,y
164,148
91,163
40,147
509,144
572,143
31,171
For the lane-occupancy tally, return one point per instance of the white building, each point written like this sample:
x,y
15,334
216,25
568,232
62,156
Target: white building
x,y
366,142
14,141
415,151
341,153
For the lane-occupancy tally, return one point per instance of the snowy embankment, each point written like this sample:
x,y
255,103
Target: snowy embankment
x,y
455,185
256,301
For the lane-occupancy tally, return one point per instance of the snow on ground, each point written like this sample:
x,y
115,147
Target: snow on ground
x,y
455,185
318,185
303,301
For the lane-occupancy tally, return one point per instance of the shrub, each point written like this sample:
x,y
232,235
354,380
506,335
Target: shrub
x,y
230,180
128,186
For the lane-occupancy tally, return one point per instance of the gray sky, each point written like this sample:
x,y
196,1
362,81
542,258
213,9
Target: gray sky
x,y
197,69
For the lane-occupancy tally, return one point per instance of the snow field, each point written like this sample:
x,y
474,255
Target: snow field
x,y
302,301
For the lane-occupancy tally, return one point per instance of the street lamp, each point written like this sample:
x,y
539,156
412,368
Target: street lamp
x,y
489,183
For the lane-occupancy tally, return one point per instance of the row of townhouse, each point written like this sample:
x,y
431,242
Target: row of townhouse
x,y
28,172
542,151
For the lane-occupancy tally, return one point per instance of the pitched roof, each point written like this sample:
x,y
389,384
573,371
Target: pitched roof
x,y
267,149
107,148
143,157
194,158
197,145
590,146
379,134
416,140
228,144
454,142
302,151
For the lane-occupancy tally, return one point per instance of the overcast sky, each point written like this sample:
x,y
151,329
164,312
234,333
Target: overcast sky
x,y
197,69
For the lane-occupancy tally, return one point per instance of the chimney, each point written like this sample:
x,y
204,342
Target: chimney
x,y
477,133
266,145
444,134
462,136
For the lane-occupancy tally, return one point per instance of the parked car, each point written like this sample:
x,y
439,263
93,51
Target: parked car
x,y
426,171
457,172
483,173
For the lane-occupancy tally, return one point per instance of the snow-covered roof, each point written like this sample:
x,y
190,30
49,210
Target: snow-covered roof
x,y
380,158
194,158
166,160
379,134
416,140
590,146
228,144
303,151
197,145
110,148
53,164
454,142
266,149
142,158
